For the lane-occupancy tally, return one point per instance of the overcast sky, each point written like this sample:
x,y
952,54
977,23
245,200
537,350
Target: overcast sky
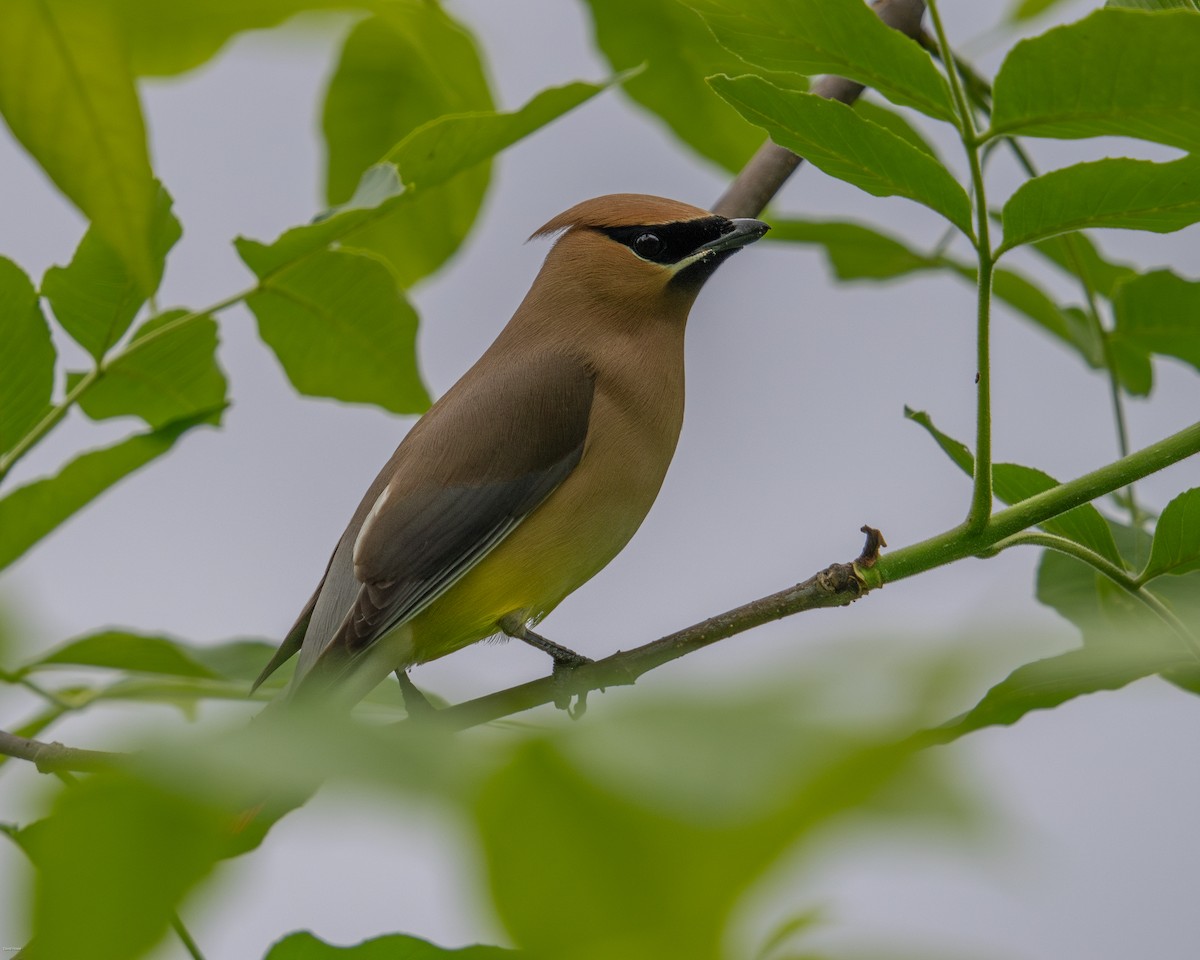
x,y
794,438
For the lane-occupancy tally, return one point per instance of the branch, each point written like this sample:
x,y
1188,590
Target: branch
x,y
54,757
761,178
835,586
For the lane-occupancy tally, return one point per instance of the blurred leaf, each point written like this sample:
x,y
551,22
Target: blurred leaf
x,y
234,659
653,857
1119,193
169,38
1176,547
680,52
855,252
842,37
114,859
1028,9
304,946
123,650
1044,684
175,375
32,511
398,70
95,297
340,326
1123,73
832,136
1159,313
27,359
68,96
428,157
1155,4
1077,255
1013,483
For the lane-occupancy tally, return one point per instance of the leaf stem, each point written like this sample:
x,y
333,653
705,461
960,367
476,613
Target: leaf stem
x,y
981,492
186,938
56,413
1116,574
960,542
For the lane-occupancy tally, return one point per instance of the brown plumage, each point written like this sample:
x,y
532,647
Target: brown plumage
x,y
535,468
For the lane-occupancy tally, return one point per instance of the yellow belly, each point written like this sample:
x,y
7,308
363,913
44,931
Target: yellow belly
x,y
567,540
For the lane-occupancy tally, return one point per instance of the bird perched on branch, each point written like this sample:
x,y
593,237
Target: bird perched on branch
x,y
534,469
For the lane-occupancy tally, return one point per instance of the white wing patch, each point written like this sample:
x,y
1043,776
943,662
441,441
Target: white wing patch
x,y
366,527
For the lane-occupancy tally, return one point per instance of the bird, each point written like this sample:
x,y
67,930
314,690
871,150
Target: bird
x,y
535,469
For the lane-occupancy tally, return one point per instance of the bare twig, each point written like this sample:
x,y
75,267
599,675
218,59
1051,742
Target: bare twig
x,y
761,178
835,586
54,757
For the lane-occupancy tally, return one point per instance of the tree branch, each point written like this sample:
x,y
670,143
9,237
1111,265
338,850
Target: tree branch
x,y
760,179
54,757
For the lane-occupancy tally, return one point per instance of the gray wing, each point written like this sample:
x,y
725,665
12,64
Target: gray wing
x,y
477,464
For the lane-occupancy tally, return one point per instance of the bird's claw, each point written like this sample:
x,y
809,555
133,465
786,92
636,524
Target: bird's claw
x,y
561,673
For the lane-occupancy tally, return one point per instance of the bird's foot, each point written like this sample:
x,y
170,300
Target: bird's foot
x,y
416,705
561,673
566,661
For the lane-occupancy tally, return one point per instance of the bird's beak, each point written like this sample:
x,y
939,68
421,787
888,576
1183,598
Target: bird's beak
x,y
744,231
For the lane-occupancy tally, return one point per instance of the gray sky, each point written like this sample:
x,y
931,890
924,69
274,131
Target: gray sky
x,y
794,438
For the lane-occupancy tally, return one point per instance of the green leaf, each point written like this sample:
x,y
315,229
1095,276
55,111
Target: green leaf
x,y
114,859
1120,193
1159,313
340,326
1045,684
442,148
1124,73
894,121
670,848
1077,255
95,297
174,376
1013,483
27,358
32,511
165,39
1123,641
679,51
832,136
1176,548
68,96
410,64
428,157
123,650
1193,5
841,37
855,252
234,659
1028,9
304,946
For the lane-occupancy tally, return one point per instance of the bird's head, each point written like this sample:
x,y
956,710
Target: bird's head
x,y
637,248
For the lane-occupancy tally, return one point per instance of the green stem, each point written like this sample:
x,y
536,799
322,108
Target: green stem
x,y
981,493
1116,574
92,377
960,542
186,938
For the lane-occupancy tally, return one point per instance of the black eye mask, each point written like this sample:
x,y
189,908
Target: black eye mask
x,y
667,243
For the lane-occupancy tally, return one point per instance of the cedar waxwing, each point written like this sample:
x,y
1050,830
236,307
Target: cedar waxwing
x,y
534,469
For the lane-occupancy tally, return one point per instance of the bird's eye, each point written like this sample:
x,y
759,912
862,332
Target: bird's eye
x,y
648,246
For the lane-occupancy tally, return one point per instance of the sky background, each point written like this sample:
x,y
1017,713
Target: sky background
x,y
794,438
